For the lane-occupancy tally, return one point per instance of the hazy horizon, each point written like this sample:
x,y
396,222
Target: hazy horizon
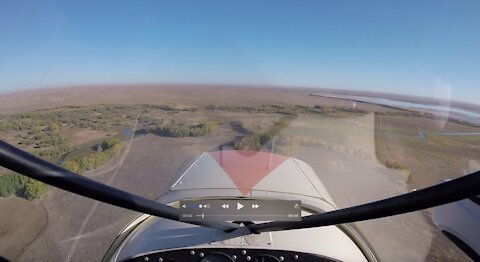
x,y
321,90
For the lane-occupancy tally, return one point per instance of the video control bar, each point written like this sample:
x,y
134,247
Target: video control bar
x,y
240,210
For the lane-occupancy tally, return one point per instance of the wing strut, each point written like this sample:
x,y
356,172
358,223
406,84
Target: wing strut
x,y
36,168
450,191
26,164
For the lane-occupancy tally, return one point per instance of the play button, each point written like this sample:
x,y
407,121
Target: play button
x,y
239,206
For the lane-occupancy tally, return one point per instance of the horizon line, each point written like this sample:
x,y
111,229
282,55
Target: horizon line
x,y
335,90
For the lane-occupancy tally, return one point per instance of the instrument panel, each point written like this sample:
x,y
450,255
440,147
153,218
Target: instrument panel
x,y
228,255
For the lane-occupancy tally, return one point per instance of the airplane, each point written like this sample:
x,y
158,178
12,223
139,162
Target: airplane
x,y
460,222
232,205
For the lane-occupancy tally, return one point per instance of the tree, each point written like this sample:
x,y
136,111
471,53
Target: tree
x,y
72,166
110,142
87,162
10,184
34,189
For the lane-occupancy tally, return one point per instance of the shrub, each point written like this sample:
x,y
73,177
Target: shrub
x,y
256,141
34,189
10,184
251,142
53,126
95,159
72,166
36,130
110,142
14,183
394,165
202,129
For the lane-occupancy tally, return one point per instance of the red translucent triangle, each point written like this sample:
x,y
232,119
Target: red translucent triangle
x,y
247,168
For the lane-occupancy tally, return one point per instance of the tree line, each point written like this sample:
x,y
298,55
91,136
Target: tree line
x,y
110,148
201,129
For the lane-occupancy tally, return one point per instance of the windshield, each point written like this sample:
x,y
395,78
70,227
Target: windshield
x,y
366,100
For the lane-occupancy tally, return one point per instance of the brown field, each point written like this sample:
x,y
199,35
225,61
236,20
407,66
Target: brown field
x,y
21,222
160,94
77,137
431,159
347,150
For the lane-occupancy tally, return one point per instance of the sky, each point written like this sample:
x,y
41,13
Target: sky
x,y
424,48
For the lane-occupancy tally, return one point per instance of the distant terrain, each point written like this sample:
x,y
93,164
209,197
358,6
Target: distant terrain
x,y
137,137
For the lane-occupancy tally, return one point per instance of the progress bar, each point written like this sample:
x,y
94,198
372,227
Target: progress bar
x,y
240,210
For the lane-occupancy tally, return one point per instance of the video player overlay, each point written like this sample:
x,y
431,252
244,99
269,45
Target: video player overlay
x,y
240,210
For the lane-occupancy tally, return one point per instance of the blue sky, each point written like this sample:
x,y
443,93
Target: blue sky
x,y
426,48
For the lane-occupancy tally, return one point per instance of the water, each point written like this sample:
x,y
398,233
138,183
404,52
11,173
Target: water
x,y
444,109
